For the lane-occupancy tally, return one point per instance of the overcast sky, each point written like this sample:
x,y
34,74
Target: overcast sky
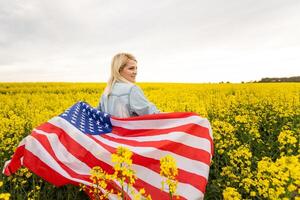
x,y
173,40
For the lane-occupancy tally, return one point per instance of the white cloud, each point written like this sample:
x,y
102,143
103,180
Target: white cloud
x,y
194,41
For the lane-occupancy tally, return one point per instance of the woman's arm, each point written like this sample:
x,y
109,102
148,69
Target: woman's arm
x,y
139,104
99,107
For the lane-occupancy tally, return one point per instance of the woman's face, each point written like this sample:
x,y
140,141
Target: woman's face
x,y
129,71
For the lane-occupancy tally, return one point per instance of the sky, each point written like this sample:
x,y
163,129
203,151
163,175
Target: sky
x,y
173,40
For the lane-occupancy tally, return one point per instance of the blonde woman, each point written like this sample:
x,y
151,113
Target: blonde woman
x,y
121,97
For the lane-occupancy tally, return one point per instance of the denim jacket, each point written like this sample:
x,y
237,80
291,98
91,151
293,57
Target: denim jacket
x,y
126,100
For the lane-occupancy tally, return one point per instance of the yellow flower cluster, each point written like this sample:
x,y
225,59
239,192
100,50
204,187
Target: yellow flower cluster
x,y
231,194
288,142
123,168
169,171
34,193
99,179
279,179
251,124
123,165
123,174
240,157
224,136
4,196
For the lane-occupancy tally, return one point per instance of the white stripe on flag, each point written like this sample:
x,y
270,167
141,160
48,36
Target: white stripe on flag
x,y
183,189
160,123
88,143
63,154
180,137
35,147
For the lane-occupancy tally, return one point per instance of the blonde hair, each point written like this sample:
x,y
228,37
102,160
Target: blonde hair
x,y
118,62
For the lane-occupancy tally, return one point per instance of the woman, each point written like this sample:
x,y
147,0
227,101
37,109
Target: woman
x,y
121,97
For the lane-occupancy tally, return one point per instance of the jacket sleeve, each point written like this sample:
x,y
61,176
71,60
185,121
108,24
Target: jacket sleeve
x,y
139,104
99,107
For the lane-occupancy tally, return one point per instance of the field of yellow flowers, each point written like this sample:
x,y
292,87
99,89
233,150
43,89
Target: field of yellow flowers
x,y
256,130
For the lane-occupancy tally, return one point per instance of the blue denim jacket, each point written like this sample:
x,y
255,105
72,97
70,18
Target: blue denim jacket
x,y
126,100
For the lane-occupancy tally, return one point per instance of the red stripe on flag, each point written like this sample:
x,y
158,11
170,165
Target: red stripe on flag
x,y
192,129
166,145
153,191
76,149
43,140
15,162
158,116
41,169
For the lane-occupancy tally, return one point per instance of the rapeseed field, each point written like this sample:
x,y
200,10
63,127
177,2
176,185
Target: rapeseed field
x,y
256,129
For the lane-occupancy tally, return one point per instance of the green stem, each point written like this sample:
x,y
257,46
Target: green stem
x,y
122,183
171,196
122,190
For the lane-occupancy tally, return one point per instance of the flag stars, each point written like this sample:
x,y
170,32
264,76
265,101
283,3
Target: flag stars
x,y
87,119
74,118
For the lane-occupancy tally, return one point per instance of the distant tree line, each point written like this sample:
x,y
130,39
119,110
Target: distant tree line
x,y
284,79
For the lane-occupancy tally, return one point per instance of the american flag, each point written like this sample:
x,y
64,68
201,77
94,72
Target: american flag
x,y
64,149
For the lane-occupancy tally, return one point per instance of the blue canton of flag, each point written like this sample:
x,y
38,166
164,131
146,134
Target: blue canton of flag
x,y
87,119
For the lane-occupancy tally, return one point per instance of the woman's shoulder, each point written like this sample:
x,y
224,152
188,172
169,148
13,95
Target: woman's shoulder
x,y
121,88
136,89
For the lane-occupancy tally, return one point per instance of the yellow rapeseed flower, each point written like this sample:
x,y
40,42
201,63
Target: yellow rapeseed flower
x,y
231,193
4,196
168,169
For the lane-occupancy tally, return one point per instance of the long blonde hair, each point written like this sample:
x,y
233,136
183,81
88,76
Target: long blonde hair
x,y
118,62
